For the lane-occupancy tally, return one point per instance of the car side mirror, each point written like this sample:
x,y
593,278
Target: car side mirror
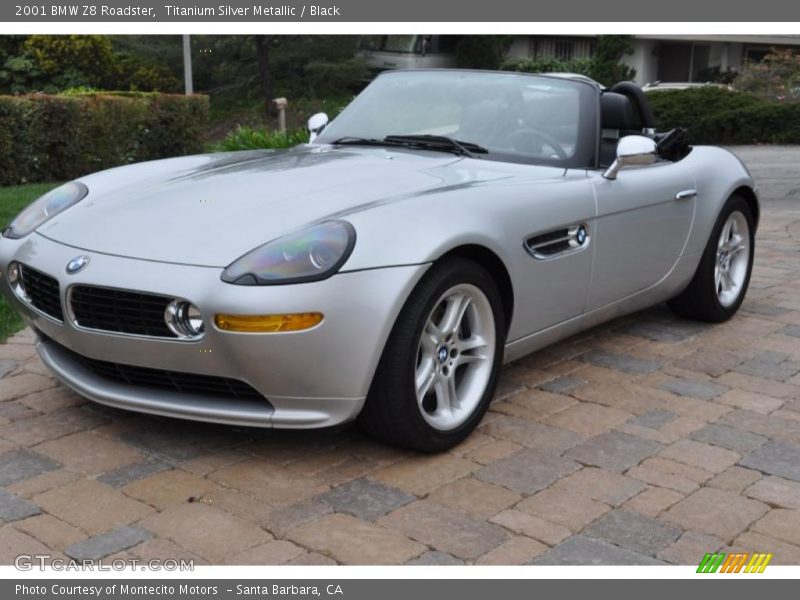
x,y
316,124
632,150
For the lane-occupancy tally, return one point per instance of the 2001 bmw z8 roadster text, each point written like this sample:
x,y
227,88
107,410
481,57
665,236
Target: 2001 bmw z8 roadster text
x,y
446,221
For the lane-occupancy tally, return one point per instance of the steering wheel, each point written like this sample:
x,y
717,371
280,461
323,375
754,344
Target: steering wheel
x,y
526,136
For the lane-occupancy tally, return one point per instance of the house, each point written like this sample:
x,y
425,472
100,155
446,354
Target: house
x,y
683,58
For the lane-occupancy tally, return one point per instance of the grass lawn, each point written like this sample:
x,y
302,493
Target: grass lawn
x,y
12,200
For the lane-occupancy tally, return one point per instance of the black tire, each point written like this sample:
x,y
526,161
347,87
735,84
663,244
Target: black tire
x,y
699,301
391,412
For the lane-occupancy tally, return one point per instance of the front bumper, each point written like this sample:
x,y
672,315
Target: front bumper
x,y
313,378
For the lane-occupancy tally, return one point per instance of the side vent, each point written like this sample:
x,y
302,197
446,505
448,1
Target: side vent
x,y
559,242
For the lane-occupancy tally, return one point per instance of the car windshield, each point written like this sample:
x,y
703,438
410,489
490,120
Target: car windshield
x,y
507,116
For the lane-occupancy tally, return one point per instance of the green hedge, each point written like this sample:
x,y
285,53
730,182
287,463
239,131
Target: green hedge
x,y
718,116
57,138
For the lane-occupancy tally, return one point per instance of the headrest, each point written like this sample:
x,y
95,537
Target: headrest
x,y
617,112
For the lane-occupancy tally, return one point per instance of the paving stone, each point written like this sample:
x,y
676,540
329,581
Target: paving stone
x,y
276,552
621,362
653,501
26,383
107,543
783,552
163,549
690,548
532,434
492,451
527,471
366,499
775,458
207,531
703,456
694,388
614,451
16,411
177,441
283,519
581,550
421,475
13,543
716,512
167,488
351,541
24,464
89,453
516,551
274,485
633,531
445,529
6,366
770,365
782,429
728,437
664,332
792,330
759,403
776,491
601,485
28,488
122,476
91,506
780,523
50,531
710,362
51,426
562,385
654,419
312,559
734,479
14,508
679,469
532,526
588,419
476,498
563,507
435,558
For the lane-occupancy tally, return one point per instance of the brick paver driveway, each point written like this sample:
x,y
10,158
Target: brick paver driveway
x,y
648,440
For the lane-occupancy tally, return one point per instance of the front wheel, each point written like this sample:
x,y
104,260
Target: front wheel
x,y
723,275
439,370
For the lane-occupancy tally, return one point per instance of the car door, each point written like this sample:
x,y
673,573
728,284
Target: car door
x,y
549,229
644,217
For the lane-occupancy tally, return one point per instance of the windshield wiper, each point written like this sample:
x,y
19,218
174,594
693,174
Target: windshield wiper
x,y
438,142
428,142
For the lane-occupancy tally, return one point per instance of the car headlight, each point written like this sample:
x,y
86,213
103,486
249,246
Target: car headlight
x,y
308,255
45,208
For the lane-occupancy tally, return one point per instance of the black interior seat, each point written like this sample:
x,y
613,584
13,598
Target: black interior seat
x,y
617,119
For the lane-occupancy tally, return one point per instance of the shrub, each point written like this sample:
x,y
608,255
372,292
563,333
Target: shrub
x,y
718,116
246,138
55,138
330,78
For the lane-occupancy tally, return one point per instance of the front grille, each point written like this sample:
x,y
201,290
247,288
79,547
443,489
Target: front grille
x,y
175,381
121,311
42,292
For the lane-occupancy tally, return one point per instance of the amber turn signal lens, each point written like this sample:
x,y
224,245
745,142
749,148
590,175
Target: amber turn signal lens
x,y
268,323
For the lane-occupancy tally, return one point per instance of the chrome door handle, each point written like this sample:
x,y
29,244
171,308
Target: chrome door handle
x,y
685,194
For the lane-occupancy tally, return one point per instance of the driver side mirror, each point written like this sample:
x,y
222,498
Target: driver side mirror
x,y
632,150
316,124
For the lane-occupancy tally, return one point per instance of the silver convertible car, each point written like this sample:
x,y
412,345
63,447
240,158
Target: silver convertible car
x,y
445,222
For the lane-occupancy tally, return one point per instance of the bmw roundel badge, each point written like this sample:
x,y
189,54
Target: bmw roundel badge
x,y
77,264
580,235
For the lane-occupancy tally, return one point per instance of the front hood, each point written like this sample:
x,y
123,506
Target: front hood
x,y
210,209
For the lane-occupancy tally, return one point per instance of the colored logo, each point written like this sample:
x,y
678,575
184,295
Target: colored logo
x,y
736,562
77,264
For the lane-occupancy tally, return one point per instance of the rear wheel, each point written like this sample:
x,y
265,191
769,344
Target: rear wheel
x,y
720,283
439,370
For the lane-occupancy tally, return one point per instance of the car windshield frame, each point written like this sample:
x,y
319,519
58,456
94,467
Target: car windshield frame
x,y
587,130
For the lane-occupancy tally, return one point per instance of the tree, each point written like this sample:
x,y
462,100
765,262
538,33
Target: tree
x,y
262,52
606,64
482,51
